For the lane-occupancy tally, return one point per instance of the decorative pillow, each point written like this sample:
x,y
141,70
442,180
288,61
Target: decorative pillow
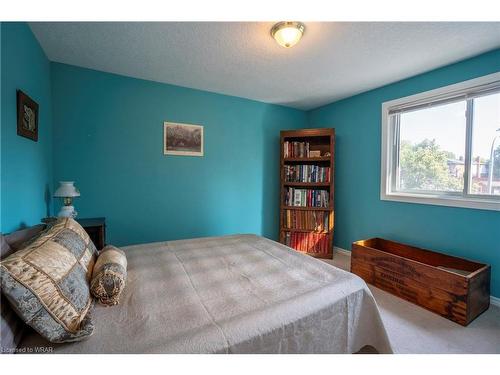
x,y
109,275
47,283
5,249
11,327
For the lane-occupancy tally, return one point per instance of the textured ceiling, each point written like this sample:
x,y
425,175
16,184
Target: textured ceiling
x,y
332,61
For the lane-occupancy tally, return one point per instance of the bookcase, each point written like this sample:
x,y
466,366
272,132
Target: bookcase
x,y
307,190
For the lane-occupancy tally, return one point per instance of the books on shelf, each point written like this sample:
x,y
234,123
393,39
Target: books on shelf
x,y
306,173
308,220
306,197
308,242
296,149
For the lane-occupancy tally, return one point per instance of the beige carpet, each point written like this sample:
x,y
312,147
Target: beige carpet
x,y
413,329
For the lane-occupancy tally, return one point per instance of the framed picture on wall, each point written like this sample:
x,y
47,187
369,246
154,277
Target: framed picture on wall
x,y
27,116
182,139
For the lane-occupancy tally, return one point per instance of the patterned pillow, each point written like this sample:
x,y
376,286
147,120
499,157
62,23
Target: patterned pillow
x,y
11,327
47,283
109,275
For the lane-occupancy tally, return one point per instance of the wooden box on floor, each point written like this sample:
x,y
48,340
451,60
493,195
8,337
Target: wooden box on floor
x,y
457,289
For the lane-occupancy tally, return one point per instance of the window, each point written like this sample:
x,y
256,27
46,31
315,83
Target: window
x,y
443,146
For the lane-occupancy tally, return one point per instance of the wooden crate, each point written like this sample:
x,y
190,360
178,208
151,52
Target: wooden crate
x,y
457,289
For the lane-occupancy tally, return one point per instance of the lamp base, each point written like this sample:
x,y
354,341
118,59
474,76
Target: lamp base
x,y
67,211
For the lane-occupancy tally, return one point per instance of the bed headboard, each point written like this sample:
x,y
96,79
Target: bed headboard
x,y
15,240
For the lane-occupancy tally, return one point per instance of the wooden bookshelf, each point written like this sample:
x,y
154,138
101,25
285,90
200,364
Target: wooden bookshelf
x,y
307,160
303,227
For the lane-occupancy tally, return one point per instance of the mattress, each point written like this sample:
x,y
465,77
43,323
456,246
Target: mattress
x,y
231,294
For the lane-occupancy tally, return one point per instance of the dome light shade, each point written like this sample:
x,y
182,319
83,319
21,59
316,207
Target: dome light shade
x,y
287,33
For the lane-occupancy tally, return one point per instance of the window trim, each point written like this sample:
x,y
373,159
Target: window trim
x,y
467,90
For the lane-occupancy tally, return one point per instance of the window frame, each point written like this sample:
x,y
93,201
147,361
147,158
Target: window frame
x,y
467,90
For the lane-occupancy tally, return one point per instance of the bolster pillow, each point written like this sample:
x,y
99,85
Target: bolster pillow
x,y
109,276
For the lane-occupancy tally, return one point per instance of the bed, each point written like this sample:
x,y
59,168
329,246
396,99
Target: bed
x,y
231,294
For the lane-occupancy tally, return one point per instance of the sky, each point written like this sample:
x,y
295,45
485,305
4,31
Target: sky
x,y
446,124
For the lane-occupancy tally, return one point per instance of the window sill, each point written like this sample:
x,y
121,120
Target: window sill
x,y
440,200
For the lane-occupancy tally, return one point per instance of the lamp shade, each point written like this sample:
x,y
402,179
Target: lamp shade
x,y
66,189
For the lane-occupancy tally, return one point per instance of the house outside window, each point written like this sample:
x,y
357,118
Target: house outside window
x,y
443,146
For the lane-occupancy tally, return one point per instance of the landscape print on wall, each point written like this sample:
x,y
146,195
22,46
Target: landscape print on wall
x,y
182,139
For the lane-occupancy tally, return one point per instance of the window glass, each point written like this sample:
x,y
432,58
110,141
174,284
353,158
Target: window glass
x,y
486,138
432,149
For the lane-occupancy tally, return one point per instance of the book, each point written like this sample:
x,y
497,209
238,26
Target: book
x,y
317,221
306,197
297,197
296,149
313,243
306,173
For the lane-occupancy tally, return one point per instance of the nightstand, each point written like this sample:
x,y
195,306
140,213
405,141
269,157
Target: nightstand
x,y
96,229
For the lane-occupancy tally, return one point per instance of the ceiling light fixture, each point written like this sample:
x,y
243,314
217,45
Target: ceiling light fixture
x,y
287,33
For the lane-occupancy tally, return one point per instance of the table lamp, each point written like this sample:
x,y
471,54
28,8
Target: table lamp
x,y
67,191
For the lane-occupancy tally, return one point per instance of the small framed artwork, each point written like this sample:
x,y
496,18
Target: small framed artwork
x,y
182,139
27,116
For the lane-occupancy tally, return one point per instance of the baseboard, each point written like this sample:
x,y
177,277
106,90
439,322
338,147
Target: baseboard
x,y
495,301
341,251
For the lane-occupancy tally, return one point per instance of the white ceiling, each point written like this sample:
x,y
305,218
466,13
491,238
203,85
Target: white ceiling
x,y
332,61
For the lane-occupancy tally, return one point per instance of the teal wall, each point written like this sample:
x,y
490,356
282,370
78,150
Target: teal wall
x,y
360,213
108,133
26,166
108,137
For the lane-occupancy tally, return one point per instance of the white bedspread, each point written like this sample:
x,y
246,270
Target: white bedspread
x,y
233,294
